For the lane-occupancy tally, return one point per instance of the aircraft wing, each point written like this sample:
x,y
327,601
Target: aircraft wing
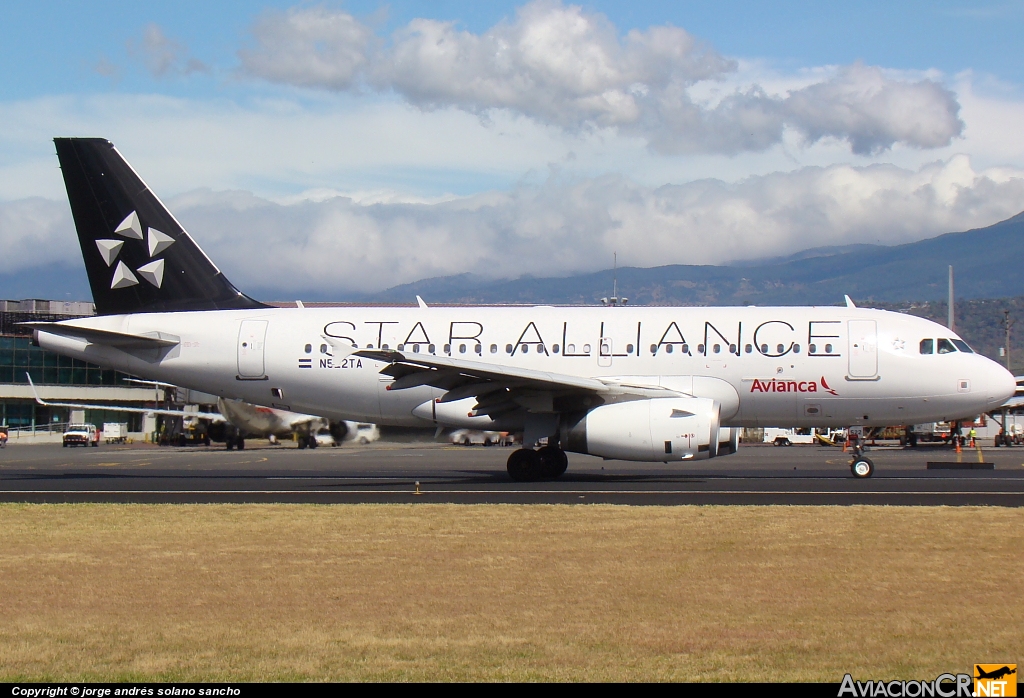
x,y
121,340
215,416
497,388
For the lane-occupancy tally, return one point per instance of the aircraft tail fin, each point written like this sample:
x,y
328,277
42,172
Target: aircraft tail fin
x,y
137,256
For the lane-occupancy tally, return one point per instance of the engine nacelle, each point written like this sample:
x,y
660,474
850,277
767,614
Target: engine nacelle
x,y
663,429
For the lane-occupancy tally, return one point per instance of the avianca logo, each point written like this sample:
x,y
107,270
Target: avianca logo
x,y
774,385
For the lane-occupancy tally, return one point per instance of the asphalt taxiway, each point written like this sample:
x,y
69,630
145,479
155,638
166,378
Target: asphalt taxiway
x,y
428,472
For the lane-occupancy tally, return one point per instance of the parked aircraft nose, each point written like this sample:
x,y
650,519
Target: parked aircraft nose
x,y
997,383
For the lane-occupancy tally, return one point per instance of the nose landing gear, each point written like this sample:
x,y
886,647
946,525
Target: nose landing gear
x,y
546,463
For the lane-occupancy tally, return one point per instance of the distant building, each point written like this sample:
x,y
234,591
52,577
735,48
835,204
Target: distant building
x,y
57,378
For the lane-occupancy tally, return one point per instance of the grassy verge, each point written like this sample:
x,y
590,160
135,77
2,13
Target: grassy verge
x,y
264,592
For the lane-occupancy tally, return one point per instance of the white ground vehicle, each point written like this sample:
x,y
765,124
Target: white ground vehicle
x,y
802,435
359,432
476,437
115,432
81,435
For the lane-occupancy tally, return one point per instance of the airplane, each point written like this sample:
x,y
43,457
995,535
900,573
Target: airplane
x,y
994,674
247,419
657,384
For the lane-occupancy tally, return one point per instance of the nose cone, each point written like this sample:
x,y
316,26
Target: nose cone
x,y
999,385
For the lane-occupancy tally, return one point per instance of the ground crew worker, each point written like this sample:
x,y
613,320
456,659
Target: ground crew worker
x,y
974,434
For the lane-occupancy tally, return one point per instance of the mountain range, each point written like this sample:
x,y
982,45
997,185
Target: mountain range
x,y
986,261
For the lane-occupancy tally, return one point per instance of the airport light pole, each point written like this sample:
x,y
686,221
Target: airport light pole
x,y
950,323
1007,324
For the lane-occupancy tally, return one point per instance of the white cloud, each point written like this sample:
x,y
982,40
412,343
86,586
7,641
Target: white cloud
x,y
311,47
35,232
162,55
565,66
561,227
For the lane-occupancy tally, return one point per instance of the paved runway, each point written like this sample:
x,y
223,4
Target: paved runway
x,y
389,472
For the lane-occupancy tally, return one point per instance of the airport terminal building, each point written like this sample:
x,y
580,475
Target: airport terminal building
x,y
58,378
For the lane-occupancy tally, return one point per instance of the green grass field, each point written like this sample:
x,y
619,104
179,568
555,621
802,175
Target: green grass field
x,y
495,592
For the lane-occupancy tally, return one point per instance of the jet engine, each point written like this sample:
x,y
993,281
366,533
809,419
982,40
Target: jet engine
x,y
662,429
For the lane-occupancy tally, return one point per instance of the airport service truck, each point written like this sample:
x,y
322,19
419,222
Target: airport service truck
x,y
81,435
803,435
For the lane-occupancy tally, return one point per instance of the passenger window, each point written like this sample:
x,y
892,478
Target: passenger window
x,y
962,346
946,347
748,348
927,346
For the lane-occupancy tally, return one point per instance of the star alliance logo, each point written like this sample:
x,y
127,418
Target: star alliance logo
x,y
157,242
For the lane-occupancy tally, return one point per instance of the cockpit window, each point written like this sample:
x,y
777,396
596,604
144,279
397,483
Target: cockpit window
x,y
962,346
946,347
927,346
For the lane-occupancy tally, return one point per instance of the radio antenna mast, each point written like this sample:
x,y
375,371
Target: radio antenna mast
x,y
615,300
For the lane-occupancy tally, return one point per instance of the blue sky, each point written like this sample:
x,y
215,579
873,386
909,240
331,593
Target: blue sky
x,y
51,47
371,144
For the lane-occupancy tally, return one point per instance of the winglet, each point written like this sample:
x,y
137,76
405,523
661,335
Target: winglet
x,y
34,393
849,302
340,349
299,305
419,301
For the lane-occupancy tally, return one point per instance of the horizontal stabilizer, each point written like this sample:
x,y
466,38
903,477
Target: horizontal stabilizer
x,y
119,340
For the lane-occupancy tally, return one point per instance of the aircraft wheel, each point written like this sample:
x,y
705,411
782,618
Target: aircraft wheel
x,y
524,465
862,467
312,441
240,443
302,442
553,462
229,443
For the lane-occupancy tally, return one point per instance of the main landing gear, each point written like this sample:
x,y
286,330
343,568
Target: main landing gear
x,y
546,463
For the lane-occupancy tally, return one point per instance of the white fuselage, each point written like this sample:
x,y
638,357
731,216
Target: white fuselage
x,y
784,366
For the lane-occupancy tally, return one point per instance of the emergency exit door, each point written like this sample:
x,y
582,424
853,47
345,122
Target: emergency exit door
x,y
252,336
863,349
